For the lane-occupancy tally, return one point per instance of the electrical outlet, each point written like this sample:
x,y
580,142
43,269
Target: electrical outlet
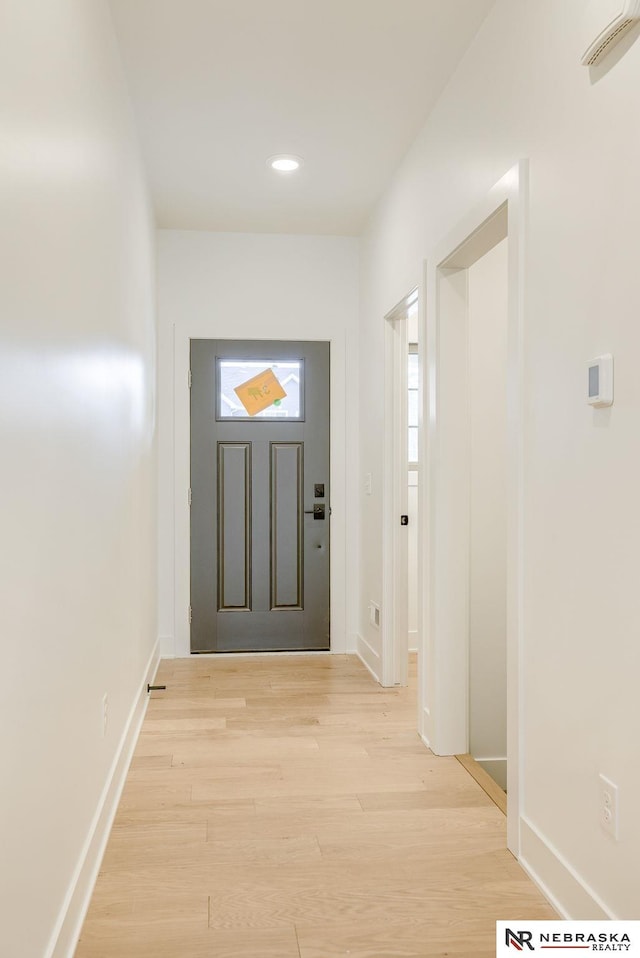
x,y
608,808
105,713
374,614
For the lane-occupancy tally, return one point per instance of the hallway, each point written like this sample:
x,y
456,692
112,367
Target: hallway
x,y
284,806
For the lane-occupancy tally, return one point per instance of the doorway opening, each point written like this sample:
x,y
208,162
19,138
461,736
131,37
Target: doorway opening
x,y
401,593
487,288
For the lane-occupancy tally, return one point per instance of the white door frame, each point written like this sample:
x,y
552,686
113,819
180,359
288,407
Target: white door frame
x,y
443,566
395,497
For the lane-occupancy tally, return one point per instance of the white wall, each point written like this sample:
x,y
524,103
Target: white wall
x,y
487,292
243,286
77,567
521,92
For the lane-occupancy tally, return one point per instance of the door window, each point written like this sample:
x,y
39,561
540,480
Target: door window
x,y
412,382
260,389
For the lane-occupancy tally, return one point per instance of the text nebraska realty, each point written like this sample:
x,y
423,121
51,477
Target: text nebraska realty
x,y
595,941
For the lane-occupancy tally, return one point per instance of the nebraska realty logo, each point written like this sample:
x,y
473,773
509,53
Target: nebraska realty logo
x,y
565,936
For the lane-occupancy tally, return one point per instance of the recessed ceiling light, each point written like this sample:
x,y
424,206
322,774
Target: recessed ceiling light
x,y
285,162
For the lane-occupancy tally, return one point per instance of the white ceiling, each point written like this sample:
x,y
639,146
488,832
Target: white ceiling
x,y
220,85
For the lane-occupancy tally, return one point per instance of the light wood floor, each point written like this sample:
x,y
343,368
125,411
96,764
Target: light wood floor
x,y
284,807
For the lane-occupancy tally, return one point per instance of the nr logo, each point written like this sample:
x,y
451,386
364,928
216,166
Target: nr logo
x,y
518,939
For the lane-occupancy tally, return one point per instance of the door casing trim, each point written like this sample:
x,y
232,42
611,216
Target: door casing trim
x,y
443,670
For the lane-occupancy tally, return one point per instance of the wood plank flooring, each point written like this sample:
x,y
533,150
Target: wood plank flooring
x,y
285,807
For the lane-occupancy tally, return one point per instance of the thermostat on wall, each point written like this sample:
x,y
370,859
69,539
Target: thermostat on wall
x,y
601,381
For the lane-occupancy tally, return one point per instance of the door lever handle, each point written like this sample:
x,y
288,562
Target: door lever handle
x,y
317,512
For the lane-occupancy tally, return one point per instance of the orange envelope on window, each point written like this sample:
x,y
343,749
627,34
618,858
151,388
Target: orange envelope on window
x,y
260,392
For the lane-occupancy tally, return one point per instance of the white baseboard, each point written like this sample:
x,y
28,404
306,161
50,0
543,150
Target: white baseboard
x,y
425,730
72,914
413,640
167,645
369,657
556,878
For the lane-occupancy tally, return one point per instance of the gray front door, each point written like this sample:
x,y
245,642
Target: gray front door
x,y
259,495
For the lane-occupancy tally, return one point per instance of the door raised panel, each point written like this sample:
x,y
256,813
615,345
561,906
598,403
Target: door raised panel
x,y
234,526
286,468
